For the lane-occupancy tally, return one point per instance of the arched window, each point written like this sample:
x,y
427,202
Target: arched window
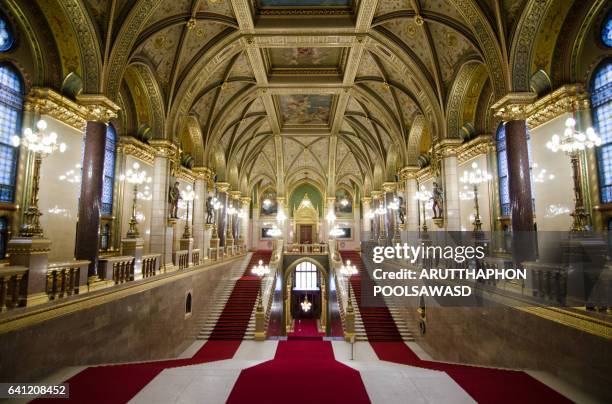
x,y
7,39
606,31
502,169
108,183
601,104
306,276
11,107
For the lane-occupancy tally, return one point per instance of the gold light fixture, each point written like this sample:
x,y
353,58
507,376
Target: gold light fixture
x,y
137,177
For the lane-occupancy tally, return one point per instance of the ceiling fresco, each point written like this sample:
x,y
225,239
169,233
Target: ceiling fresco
x,y
309,109
284,58
304,3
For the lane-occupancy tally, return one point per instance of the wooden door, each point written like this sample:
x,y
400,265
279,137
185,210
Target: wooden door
x,y
305,234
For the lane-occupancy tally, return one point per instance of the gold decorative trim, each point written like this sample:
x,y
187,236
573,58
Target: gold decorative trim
x,y
185,174
99,108
164,148
475,147
223,187
389,186
580,322
376,195
130,146
204,173
408,172
513,106
567,98
45,101
235,195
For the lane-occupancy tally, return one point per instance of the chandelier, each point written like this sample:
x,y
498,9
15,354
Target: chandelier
x,y
348,270
260,269
306,305
573,140
336,231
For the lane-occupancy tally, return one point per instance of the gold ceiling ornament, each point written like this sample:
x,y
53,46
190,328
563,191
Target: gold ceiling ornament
x,y
418,20
191,23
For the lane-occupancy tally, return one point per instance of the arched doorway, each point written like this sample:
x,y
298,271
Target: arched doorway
x,y
305,294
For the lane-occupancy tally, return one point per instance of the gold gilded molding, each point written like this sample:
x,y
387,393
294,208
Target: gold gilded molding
x,y
480,145
389,186
513,106
224,187
448,147
99,107
185,174
46,101
366,200
376,195
408,172
235,195
578,321
567,98
206,174
245,200
164,148
130,146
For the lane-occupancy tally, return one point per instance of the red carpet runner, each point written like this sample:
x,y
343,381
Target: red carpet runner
x,y
119,383
485,385
302,371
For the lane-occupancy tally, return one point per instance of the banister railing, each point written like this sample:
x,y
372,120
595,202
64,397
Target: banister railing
x,y
118,269
262,318
66,278
150,265
195,256
305,249
181,259
13,282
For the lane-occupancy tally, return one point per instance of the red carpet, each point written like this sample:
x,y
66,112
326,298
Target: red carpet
x,y
485,385
119,383
302,371
234,319
305,329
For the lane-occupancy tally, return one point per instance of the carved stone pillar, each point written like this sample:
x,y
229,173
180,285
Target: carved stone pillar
x,y
450,178
244,221
101,110
389,189
162,231
203,177
223,197
366,203
411,218
376,201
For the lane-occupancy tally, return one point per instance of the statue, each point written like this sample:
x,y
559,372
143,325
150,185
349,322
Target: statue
x,y
173,197
402,211
438,200
210,211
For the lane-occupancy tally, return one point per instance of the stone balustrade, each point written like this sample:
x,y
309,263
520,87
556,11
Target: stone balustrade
x,y
195,256
13,286
117,269
66,278
181,259
150,265
306,249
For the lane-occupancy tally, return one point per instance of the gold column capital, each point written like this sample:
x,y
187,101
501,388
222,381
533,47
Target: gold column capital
x,y
164,148
408,172
245,200
45,101
366,200
130,146
514,106
224,187
99,107
376,195
448,147
235,195
389,186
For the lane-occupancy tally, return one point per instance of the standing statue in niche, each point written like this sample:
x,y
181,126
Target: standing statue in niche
x,y
173,198
210,210
438,201
402,211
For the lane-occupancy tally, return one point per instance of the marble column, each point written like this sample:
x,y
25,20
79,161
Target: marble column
x,y
223,197
199,213
366,202
88,228
162,231
450,183
412,204
519,178
376,201
389,189
244,221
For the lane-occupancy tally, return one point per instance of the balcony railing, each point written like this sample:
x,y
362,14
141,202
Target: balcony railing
x,y
13,281
306,249
66,278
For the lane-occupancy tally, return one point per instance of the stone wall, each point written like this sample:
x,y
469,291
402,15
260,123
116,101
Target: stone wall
x,y
140,321
506,337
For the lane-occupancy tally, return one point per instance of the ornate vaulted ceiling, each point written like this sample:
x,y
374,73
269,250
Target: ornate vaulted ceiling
x,y
282,90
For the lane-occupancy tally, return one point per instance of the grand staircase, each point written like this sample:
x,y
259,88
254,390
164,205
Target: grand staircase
x,y
232,318
380,323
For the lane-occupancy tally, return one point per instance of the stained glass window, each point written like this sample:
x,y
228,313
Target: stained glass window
x,y
601,104
6,36
306,276
109,172
11,106
606,32
502,170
